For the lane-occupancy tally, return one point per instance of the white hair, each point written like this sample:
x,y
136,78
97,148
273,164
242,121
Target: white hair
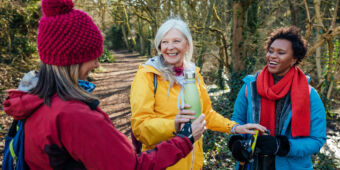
x,y
182,27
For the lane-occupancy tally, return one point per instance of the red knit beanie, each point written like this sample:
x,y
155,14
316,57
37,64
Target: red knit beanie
x,y
67,36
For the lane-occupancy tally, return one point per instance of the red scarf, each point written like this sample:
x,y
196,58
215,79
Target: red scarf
x,y
295,81
179,70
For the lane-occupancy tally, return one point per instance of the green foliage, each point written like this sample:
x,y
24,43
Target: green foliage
x,y
19,23
107,57
216,152
18,30
252,18
324,162
235,81
223,105
215,144
327,83
114,38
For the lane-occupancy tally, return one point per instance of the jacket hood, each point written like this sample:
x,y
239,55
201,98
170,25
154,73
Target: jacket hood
x,y
20,104
154,65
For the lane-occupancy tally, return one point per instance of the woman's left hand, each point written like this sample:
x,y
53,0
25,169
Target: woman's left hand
x,y
249,128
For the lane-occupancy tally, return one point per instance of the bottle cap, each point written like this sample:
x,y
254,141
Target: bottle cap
x,y
189,75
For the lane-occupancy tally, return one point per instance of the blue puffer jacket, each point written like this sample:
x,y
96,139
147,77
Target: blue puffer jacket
x,y
247,110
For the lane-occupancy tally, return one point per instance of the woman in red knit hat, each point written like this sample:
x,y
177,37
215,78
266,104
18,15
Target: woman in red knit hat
x,y
64,128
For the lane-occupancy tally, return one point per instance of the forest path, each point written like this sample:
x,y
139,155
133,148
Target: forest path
x,y
113,87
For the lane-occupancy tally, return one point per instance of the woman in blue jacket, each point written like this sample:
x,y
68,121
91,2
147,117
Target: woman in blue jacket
x,y
280,98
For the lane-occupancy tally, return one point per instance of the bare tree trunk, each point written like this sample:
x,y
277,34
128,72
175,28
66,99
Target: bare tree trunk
x,y
292,12
237,52
337,70
154,31
239,57
318,61
103,13
330,60
141,44
200,58
318,19
331,71
141,36
220,80
335,77
155,23
125,37
309,21
128,27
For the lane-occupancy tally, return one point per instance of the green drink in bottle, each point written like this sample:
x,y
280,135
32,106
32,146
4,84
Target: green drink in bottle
x,y
191,95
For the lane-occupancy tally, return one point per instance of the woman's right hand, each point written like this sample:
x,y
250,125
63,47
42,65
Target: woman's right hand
x,y
249,128
198,127
183,116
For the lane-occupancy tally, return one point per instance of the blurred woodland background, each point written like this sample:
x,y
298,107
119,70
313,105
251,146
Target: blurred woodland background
x,y
228,36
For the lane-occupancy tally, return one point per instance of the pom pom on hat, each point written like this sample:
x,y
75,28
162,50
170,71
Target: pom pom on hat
x,y
56,7
67,36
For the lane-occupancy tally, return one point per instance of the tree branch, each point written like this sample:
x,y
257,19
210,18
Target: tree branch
x,y
335,14
324,37
307,10
319,43
317,4
309,25
142,17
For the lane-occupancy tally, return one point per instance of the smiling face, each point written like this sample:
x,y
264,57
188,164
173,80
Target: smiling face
x,y
280,57
86,67
173,47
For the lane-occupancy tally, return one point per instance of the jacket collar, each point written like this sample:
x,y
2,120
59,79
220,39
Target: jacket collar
x,y
153,65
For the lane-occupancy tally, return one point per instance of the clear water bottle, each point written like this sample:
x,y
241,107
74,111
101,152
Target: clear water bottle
x,y
191,95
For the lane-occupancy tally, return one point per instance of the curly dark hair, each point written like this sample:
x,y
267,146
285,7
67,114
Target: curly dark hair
x,y
299,44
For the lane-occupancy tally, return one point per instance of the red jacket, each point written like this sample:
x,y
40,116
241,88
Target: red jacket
x,y
70,134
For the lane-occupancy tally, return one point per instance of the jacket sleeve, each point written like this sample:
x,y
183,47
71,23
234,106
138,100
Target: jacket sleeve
x,y
215,121
165,154
304,146
240,107
91,138
147,128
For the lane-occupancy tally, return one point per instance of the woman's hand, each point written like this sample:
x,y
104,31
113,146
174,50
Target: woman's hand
x,y
183,116
249,128
198,127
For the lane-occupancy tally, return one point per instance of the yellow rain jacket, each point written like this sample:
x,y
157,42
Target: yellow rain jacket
x,y
153,115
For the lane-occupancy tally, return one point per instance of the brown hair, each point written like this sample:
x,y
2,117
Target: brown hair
x,y
62,80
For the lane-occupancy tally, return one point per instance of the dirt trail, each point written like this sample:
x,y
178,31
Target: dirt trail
x,y
113,87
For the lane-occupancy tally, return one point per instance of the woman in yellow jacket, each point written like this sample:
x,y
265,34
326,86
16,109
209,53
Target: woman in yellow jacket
x,y
155,109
